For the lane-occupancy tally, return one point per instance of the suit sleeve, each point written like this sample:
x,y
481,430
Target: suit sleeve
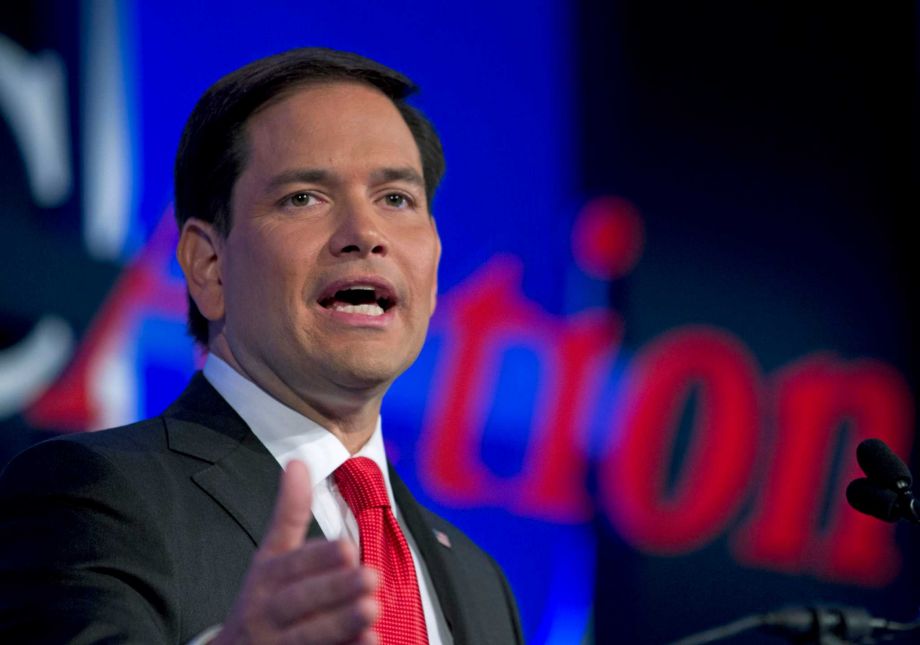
x,y
510,603
82,559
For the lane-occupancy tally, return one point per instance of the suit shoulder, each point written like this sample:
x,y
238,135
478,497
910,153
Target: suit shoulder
x,y
145,434
84,552
81,457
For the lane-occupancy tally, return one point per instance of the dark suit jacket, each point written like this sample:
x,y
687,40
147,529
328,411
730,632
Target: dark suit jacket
x,y
143,534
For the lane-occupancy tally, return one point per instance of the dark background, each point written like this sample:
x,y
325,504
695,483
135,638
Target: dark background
x,y
772,148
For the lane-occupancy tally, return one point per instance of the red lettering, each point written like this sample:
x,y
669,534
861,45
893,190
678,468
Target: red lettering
x,y
552,486
551,483
815,399
714,474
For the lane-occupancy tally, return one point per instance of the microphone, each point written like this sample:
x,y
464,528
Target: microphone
x,y
885,492
881,465
870,498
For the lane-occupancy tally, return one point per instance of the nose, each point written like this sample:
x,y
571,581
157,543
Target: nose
x,y
358,232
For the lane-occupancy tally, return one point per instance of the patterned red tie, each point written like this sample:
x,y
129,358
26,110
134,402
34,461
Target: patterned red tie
x,y
384,547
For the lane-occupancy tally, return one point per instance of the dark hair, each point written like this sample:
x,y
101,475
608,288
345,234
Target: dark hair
x,y
212,150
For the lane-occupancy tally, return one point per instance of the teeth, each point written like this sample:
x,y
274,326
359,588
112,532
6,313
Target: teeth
x,y
365,310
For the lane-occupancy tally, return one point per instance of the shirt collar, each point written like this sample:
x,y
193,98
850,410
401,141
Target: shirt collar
x,y
286,433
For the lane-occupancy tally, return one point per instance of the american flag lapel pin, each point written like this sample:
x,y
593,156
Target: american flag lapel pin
x,y
442,538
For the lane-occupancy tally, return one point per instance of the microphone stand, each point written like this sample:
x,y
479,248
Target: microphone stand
x,y
817,625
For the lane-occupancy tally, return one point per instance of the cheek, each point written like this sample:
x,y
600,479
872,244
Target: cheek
x,y
426,269
255,280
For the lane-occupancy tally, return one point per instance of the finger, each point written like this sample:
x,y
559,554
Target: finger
x,y
292,510
324,592
367,637
341,625
312,557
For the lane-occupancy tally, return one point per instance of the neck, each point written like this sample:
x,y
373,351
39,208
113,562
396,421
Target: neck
x,y
350,415
352,425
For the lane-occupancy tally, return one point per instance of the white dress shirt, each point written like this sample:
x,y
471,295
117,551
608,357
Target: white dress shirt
x,y
288,435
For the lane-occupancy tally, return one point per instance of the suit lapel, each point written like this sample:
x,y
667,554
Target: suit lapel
x,y
240,474
244,483
438,558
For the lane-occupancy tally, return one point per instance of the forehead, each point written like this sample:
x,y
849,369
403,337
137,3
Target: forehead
x,y
329,123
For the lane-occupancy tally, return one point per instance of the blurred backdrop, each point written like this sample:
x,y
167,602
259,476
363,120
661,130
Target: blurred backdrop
x,y
677,286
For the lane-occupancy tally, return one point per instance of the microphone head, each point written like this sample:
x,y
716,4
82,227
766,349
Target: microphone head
x,y
873,499
881,465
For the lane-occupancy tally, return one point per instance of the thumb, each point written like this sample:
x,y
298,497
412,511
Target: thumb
x,y
292,510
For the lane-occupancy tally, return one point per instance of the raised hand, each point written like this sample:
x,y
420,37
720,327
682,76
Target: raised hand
x,y
298,591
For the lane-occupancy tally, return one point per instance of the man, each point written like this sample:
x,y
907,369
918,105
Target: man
x,y
303,191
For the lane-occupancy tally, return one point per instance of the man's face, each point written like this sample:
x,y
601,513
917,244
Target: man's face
x,y
329,272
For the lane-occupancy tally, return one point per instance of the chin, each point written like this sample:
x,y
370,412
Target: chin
x,y
371,364
364,374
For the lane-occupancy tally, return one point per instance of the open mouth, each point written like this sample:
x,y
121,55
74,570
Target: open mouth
x,y
362,299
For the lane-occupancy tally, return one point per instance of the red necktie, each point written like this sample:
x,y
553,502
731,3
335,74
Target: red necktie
x,y
384,547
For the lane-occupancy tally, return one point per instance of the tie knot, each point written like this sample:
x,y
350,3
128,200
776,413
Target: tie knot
x,y
361,484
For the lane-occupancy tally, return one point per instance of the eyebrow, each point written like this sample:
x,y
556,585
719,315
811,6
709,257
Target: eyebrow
x,y
317,175
406,173
306,176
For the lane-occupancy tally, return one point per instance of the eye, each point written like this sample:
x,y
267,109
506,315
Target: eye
x,y
397,200
302,199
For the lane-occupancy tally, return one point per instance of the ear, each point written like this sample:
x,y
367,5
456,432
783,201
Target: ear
x,y
199,252
437,262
